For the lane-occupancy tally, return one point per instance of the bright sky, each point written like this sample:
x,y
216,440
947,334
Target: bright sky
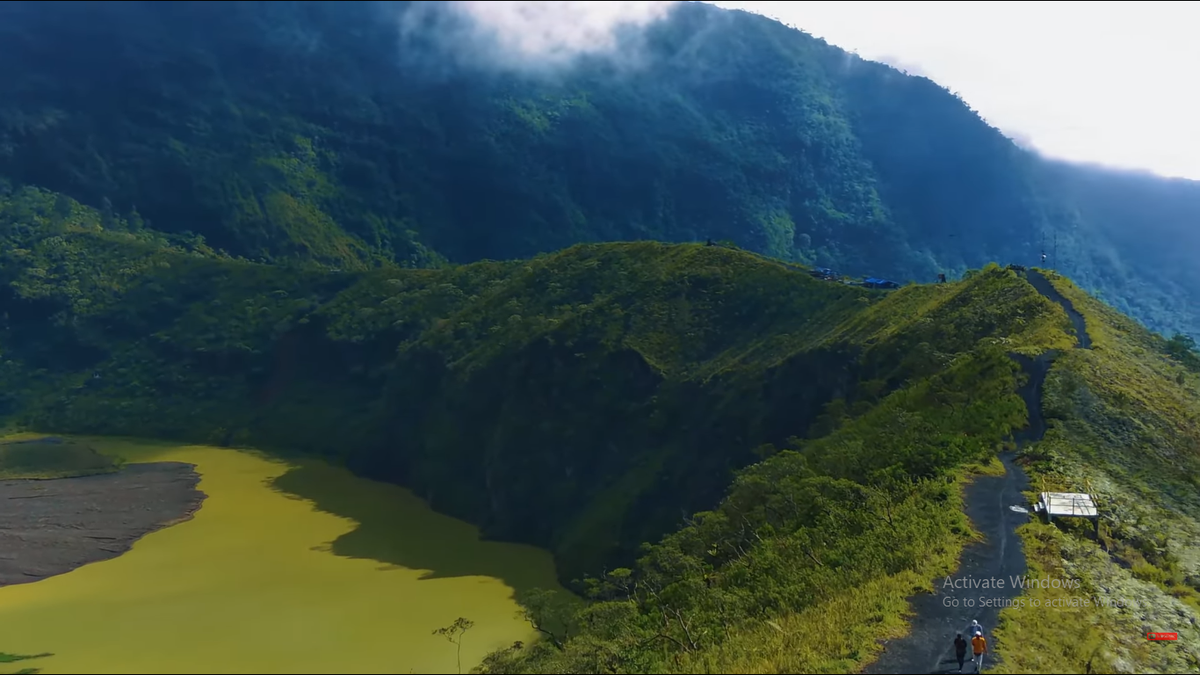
x,y
1114,83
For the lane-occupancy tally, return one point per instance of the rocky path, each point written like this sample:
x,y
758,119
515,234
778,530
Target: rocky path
x,y
1043,286
929,646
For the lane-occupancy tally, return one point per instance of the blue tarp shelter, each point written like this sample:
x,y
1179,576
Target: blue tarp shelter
x,y
874,282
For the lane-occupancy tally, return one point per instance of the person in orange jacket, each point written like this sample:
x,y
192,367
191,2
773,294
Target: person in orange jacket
x,y
979,646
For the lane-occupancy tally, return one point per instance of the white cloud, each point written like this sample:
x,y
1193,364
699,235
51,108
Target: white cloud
x,y
552,32
1114,83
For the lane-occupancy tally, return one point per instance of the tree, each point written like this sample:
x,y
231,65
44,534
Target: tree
x,y
454,633
62,209
107,219
1184,342
135,221
1183,349
891,485
548,615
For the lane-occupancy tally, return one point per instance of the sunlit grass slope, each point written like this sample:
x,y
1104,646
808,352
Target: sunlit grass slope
x,y
1125,426
808,560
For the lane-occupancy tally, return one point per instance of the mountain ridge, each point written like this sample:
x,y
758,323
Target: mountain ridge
x,y
584,400
731,126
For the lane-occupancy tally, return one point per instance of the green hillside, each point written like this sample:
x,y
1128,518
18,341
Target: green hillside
x,y
579,400
1125,425
313,131
588,400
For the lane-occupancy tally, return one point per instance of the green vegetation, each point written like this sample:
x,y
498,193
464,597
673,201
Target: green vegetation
x,y
582,400
14,658
1183,349
332,143
1124,425
566,391
833,531
48,459
455,633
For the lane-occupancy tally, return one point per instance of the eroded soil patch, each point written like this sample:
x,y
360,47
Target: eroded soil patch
x,y
49,527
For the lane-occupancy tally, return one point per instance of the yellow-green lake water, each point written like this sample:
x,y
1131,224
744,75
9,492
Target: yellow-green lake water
x,y
286,568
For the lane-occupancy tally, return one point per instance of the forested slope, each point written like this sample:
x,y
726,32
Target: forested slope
x,y
578,400
702,431
318,131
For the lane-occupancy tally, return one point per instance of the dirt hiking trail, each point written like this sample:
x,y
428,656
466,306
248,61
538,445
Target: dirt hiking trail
x,y
929,646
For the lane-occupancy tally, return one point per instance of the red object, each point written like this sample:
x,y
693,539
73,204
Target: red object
x,y
1162,636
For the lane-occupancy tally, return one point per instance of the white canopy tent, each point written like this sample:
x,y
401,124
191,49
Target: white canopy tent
x,y
1077,504
1069,505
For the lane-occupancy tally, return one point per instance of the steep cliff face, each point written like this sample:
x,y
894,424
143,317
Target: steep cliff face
x,y
582,400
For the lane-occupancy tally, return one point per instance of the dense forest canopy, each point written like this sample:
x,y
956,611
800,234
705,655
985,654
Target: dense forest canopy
x,y
350,134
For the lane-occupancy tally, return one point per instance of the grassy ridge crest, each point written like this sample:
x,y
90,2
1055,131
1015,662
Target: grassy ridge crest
x,y
812,435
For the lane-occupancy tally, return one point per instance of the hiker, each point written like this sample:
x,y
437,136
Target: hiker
x,y
979,647
975,627
960,650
